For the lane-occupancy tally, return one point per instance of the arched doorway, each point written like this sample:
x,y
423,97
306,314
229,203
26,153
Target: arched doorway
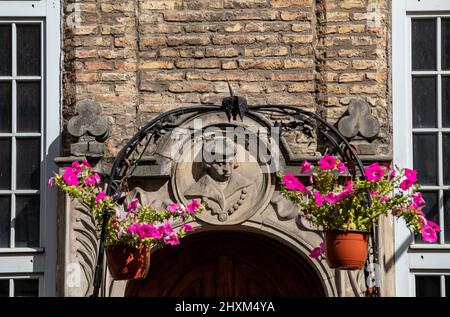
x,y
228,264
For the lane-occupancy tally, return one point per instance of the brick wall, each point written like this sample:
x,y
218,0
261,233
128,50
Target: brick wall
x,y
139,58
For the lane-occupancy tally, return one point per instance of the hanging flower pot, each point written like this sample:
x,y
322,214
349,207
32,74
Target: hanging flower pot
x,y
346,250
128,263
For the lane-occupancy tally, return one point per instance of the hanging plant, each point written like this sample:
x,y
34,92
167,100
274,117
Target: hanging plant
x,y
346,209
132,230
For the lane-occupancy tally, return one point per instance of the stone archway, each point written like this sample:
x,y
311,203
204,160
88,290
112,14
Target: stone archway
x,y
229,264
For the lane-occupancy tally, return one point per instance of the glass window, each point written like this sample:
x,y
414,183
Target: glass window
x,y
425,157
5,49
28,49
445,38
423,44
4,287
447,286
26,288
20,133
446,101
431,117
5,105
424,99
428,286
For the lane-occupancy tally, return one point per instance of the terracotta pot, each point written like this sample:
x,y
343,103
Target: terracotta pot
x,y
128,263
346,250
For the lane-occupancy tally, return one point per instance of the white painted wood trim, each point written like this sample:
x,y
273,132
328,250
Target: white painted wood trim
x,y
426,5
401,136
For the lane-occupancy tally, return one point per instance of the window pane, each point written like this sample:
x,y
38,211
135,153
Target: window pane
x,y
5,221
5,106
446,156
446,101
5,50
4,288
447,216
428,286
26,288
445,44
423,44
431,211
424,94
5,163
28,169
27,221
28,107
447,286
28,50
425,157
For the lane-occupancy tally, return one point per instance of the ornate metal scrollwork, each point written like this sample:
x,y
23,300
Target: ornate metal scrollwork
x,y
285,119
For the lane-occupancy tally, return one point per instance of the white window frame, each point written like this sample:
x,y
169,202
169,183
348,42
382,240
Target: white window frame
x,y
41,262
409,259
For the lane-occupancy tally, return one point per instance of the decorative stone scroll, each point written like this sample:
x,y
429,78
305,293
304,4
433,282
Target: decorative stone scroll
x,y
91,129
359,121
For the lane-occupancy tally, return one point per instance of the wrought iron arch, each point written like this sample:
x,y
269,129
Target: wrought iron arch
x,y
283,117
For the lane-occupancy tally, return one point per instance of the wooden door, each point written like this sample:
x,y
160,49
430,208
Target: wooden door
x,y
228,264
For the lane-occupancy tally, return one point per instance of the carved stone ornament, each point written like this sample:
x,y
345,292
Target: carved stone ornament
x,y
233,188
359,121
91,129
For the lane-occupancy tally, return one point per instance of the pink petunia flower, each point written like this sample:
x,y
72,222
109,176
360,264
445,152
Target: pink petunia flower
x,y
319,199
187,227
434,225
411,175
406,184
100,196
292,183
347,191
331,198
132,229
132,206
317,251
86,163
76,167
418,200
341,168
70,177
383,198
306,167
50,182
166,228
374,172
428,234
172,239
92,180
327,162
177,207
193,206
148,231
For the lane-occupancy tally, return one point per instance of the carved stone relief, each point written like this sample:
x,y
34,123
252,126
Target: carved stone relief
x,y
225,175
